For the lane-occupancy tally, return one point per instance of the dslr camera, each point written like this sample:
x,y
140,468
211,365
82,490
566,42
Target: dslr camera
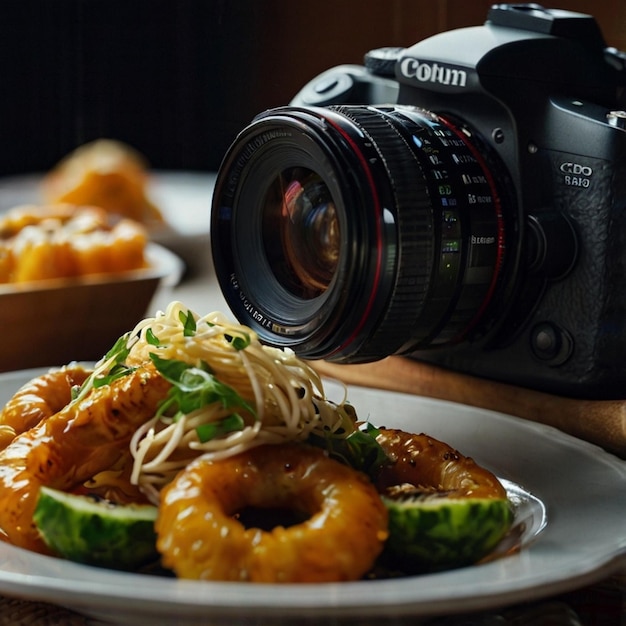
x,y
461,202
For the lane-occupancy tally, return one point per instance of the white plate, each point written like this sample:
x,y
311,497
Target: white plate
x,y
184,199
583,488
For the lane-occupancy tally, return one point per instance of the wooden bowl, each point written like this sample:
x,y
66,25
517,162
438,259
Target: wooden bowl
x,y
54,322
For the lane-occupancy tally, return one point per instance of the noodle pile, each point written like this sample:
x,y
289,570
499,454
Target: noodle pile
x,y
281,398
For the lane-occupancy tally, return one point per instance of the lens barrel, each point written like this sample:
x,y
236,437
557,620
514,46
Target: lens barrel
x,y
354,232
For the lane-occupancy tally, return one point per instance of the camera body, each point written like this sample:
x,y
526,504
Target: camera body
x,y
542,92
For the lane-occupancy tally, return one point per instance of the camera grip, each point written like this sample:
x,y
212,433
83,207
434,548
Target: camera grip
x,y
602,422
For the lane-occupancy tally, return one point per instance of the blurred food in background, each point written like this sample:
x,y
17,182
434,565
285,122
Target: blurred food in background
x,y
67,241
105,173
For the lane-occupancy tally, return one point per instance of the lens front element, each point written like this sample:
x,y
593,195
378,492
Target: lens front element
x,y
300,232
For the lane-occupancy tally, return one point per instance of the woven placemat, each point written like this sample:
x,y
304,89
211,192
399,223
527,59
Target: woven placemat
x,y
15,612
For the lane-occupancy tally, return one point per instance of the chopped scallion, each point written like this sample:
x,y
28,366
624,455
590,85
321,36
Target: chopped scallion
x,y
151,338
229,424
189,323
239,342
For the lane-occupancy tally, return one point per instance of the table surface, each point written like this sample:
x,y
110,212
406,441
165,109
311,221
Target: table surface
x,y
601,604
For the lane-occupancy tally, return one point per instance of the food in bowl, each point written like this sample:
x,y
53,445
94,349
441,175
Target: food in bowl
x,y
67,241
252,473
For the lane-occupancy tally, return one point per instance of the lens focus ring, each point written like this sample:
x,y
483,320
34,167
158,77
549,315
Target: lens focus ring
x,y
414,221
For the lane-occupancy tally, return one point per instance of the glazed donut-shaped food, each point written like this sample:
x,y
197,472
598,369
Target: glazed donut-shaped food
x,y
426,462
201,537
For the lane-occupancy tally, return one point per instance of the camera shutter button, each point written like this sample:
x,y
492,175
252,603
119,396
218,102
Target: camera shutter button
x,y
550,343
326,84
617,119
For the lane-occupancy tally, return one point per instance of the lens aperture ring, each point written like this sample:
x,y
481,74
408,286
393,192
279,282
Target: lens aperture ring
x,y
468,226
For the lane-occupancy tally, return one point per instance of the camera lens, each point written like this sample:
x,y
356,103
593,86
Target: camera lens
x,y
354,232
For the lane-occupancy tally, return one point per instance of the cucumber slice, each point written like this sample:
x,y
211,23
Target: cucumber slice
x,y
95,531
438,531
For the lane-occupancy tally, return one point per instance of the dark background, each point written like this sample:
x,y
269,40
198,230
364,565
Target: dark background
x,y
177,79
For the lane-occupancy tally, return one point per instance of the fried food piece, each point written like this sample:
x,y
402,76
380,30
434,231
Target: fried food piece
x,y
66,241
104,173
423,461
6,262
38,399
63,451
48,217
118,250
201,537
